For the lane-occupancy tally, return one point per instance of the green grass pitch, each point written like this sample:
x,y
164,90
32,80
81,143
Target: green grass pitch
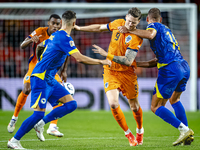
x,y
97,130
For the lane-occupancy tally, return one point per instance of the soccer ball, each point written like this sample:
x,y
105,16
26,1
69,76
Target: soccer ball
x,y
69,87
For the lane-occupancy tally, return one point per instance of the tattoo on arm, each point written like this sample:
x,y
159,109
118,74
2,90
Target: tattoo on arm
x,y
127,59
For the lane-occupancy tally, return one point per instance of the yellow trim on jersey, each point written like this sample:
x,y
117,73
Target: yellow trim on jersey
x,y
151,29
161,65
40,75
74,51
36,103
158,92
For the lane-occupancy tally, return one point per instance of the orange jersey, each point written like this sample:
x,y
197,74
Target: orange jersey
x,y
43,31
120,43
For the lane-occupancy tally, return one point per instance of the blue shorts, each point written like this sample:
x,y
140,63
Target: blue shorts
x,y
172,77
46,90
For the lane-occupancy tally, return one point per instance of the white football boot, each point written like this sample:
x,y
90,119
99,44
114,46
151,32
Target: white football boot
x,y
53,130
14,144
39,132
11,125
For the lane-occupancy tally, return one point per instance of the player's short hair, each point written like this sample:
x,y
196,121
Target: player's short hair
x,y
154,13
68,16
135,12
54,16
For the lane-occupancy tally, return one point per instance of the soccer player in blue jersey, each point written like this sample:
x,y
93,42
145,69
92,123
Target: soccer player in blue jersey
x,y
173,74
43,85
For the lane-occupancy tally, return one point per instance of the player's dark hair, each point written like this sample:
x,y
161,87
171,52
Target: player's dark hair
x,y
154,13
68,15
54,16
135,12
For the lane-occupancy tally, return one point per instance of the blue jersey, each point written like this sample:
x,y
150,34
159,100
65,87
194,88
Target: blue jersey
x,y
164,45
57,48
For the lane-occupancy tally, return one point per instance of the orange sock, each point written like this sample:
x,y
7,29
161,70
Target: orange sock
x,y
55,121
138,118
120,118
21,100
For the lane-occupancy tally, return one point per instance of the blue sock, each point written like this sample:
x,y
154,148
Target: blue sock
x,y
180,112
28,124
167,116
60,111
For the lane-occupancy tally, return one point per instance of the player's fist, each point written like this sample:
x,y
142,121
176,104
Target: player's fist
x,y
36,38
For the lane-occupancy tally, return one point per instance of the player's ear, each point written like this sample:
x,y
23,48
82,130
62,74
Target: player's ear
x,y
160,19
48,23
147,19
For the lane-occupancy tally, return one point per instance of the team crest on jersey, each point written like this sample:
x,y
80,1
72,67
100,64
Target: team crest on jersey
x,y
43,100
71,43
106,85
27,77
33,33
128,39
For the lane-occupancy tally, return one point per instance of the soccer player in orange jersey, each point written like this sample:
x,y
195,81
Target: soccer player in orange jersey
x,y
36,37
120,76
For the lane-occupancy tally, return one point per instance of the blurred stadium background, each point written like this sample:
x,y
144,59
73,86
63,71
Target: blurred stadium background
x,y
19,19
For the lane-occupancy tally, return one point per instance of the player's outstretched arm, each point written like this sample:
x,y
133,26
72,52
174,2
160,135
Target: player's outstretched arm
x,y
148,34
28,41
147,64
124,60
92,28
90,61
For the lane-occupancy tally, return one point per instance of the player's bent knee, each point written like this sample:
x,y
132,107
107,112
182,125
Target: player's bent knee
x,y
114,106
71,106
153,109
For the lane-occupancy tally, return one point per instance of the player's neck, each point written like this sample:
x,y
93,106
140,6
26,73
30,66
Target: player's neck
x,y
68,30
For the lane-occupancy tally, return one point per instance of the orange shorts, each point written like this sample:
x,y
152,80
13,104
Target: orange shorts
x,y
30,70
125,81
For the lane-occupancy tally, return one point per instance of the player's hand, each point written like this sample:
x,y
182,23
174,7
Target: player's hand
x,y
77,28
123,29
99,50
106,62
36,38
63,76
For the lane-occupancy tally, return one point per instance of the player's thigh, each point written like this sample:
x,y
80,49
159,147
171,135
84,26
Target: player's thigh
x,y
40,93
59,94
167,81
31,66
113,96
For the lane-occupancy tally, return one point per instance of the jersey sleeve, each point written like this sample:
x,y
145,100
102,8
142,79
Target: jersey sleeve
x,y
151,26
115,24
37,32
68,45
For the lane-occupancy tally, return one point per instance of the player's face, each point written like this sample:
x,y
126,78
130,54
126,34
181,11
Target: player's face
x,y
131,22
54,25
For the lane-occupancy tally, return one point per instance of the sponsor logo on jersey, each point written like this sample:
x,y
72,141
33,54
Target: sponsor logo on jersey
x,y
71,43
43,100
128,39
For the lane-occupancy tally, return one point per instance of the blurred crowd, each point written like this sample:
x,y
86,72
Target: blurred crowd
x,y
14,61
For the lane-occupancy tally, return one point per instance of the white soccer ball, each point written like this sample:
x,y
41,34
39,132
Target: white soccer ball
x,y
69,87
